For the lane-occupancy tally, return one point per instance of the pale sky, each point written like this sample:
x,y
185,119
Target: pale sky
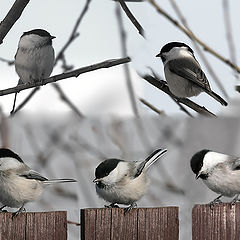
x,y
104,91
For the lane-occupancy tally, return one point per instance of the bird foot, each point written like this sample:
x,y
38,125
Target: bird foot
x,y
127,209
112,205
215,201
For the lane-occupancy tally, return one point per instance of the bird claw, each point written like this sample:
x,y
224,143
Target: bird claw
x,y
112,205
234,201
15,214
127,209
215,201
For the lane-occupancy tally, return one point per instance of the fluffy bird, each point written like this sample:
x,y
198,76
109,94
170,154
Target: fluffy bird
x,y
19,184
122,182
34,59
220,172
183,73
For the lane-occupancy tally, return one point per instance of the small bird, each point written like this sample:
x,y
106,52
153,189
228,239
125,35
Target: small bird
x,y
34,59
121,182
220,172
19,184
183,73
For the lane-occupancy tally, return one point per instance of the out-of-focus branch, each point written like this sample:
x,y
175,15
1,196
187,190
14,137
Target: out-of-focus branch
x,y
67,101
4,130
126,68
229,34
74,73
163,86
199,50
145,102
191,35
131,17
12,16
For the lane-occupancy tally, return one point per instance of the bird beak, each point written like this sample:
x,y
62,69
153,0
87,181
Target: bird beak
x,y
96,180
159,55
52,37
198,175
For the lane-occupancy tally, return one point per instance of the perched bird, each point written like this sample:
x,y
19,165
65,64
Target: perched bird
x,y
34,59
19,184
220,172
183,73
121,182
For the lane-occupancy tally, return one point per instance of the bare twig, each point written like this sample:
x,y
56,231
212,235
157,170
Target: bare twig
x,y
66,100
74,73
126,68
199,50
74,33
163,86
12,16
229,34
73,223
9,62
131,17
191,35
145,102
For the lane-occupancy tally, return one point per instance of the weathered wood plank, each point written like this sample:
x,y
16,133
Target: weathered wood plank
x,y
34,226
220,222
139,223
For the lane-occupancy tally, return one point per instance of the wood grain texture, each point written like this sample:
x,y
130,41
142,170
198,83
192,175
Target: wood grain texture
x,y
221,222
137,224
34,226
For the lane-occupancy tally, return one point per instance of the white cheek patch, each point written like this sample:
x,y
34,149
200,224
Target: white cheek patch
x,y
211,159
9,163
177,52
117,174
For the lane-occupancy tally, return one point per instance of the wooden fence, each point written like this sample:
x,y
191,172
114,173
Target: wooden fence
x,y
220,223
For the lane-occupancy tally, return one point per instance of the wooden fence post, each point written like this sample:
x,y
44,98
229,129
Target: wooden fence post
x,y
138,224
34,226
221,222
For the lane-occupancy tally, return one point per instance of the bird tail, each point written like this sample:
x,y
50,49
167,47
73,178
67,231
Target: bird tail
x,y
60,180
217,97
151,159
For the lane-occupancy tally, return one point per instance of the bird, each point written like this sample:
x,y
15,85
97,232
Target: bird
x,y
19,184
220,172
183,73
35,56
123,182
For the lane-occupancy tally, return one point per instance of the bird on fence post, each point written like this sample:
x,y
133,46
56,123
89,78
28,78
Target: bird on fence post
x,y
220,172
183,73
19,184
34,59
122,182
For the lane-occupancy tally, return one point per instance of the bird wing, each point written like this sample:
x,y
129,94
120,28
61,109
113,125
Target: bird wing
x,y
31,174
190,71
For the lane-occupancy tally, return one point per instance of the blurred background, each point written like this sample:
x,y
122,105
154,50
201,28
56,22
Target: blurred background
x,y
59,142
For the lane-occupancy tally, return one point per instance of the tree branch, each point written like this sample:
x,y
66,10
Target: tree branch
x,y
74,73
191,35
163,86
13,15
131,17
145,102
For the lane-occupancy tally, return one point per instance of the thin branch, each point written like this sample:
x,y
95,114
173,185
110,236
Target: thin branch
x,y
74,73
145,102
131,17
199,50
126,68
13,15
229,34
73,223
67,101
163,86
74,33
9,62
191,35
